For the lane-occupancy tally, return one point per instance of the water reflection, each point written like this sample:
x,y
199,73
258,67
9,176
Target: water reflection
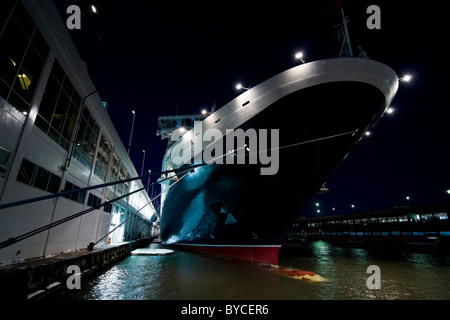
x,y
185,275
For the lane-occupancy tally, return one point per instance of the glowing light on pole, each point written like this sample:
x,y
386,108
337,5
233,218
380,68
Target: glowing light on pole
x,y
406,78
143,161
240,86
299,56
131,134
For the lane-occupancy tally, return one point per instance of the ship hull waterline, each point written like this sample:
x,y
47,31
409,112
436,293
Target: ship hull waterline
x,y
232,209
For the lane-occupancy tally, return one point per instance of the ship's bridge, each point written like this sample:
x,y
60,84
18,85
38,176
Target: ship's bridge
x,y
168,124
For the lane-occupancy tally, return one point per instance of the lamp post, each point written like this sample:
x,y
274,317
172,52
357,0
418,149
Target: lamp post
x,y
131,134
148,180
299,56
240,86
143,161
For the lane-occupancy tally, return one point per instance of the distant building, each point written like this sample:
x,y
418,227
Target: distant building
x,y
56,135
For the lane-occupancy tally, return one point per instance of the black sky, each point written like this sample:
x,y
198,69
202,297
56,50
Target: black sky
x,y
167,57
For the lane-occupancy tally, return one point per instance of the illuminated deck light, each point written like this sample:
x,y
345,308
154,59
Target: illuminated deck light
x,y
240,86
406,78
299,56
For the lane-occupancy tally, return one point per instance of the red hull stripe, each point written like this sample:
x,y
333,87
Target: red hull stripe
x,y
258,253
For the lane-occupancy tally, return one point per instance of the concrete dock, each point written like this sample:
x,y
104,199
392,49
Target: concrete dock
x,y
40,278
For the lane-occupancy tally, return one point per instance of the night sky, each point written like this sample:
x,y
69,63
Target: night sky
x,y
163,58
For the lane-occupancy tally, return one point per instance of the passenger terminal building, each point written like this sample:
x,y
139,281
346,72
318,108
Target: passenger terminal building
x,y
56,135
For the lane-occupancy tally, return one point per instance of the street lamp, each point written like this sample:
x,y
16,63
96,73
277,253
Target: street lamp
x,y
448,191
239,87
299,56
93,8
131,134
148,181
143,161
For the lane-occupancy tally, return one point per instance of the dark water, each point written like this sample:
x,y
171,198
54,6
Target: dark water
x,y
413,272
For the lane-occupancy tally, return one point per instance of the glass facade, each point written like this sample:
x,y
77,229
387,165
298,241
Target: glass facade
x,y
38,177
86,140
77,196
5,157
21,64
103,155
58,110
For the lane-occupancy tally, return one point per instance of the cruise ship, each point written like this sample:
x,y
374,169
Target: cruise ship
x,y
238,197
57,143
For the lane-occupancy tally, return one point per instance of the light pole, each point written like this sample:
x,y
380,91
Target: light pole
x,y
299,56
131,134
239,87
143,161
148,181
